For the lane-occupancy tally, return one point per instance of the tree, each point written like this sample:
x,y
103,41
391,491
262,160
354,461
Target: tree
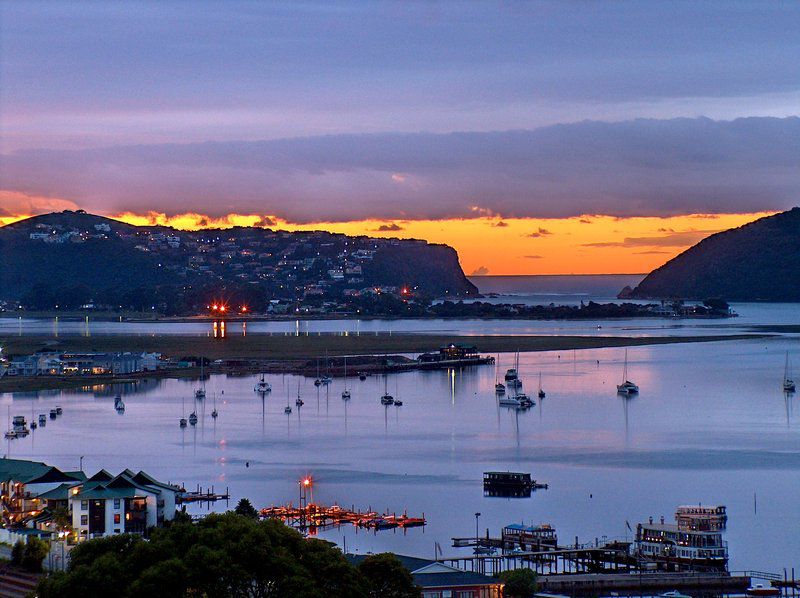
x,y
387,578
245,509
520,583
17,552
34,553
220,555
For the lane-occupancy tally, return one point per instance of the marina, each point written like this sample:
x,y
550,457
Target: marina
x,y
586,442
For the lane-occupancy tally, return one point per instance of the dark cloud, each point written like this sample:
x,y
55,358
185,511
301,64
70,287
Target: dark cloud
x,y
389,227
266,222
542,232
480,271
500,224
633,168
680,239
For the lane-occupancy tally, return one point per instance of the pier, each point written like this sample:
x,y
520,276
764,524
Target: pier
x,y
312,516
208,495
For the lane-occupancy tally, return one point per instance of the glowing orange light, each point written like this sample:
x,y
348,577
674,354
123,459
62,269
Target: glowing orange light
x,y
306,481
215,307
244,308
222,308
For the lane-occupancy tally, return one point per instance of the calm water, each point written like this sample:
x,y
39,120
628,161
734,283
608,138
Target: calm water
x,y
710,425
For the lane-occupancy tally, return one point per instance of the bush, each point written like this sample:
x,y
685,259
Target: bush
x,y
34,553
520,583
17,552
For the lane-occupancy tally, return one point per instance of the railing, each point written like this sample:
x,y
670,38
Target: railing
x,y
759,575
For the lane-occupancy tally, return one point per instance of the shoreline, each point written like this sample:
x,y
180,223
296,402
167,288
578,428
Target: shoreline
x,y
294,354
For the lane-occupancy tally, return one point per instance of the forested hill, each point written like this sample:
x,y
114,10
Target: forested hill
x,y
759,261
74,258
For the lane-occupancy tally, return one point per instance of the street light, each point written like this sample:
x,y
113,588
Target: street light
x,y
81,467
477,533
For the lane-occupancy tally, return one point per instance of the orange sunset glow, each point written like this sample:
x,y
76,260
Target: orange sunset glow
x,y
584,245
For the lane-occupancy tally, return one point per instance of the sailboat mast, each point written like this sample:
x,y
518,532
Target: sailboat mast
x,y
625,368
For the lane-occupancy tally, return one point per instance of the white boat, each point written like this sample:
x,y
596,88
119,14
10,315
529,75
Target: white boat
x,y
788,383
512,375
762,590
262,385
508,401
627,387
200,393
524,400
346,391
674,594
20,425
541,392
193,418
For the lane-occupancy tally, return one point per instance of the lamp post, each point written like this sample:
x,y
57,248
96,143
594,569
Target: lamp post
x,y
81,466
477,533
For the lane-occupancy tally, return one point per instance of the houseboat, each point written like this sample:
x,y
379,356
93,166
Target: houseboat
x,y
671,548
508,479
529,538
712,518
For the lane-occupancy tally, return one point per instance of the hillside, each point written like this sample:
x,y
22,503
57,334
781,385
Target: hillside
x,y
759,261
74,258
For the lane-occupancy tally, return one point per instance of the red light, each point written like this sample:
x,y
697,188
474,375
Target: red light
x,y
244,308
222,308
307,482
215,307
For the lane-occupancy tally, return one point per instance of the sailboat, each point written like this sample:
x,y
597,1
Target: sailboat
x,y
512,375
119,405
318,380
11,433
262,386
34,425
193,418
397,401
288,408
788,383
499,387
326,379
627,387
214,413
386,399
200,393
542,394
182,422
299,401
345,392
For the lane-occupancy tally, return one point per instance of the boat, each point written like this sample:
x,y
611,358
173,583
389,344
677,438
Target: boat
x,y
318,380
59,410
627,387
499,387
53,414
345,392
788,383
386,399
512,375
287,410
762,590
11,433
675,546
362,376
262,385
20,425
182,422
200,393
674,594
484,550
398,403
214,413
541,392
193,418
509,401
34,425
119,405
42,419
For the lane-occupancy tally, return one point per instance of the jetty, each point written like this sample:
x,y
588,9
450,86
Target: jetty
x,y
315,517
208,495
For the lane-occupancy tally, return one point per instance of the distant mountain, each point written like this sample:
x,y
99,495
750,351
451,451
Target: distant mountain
x,y
74,257
759,261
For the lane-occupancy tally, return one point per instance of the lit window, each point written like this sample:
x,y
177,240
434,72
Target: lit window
x,y
84,505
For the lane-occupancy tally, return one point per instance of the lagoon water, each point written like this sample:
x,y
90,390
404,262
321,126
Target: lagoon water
x,y
710,425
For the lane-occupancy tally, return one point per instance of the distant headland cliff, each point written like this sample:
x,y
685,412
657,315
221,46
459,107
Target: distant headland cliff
x,y
72,259
759,261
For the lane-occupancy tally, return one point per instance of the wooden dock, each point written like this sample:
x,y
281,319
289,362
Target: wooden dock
x,y
644,583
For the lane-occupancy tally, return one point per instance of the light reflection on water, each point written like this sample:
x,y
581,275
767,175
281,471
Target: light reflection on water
x,y
710,425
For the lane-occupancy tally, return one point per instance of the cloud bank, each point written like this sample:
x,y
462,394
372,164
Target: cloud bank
x,y
632,168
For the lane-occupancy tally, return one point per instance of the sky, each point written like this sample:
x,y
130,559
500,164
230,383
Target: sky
x,y
534,137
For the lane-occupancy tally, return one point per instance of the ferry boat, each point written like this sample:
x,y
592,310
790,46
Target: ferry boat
x,y
701,518
531,538
262,385
675,549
